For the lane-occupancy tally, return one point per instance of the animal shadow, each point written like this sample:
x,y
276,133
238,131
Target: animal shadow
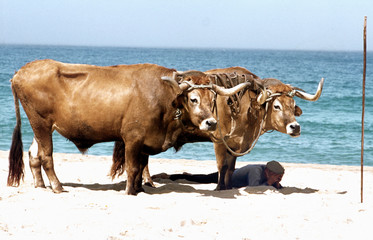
x,y
121,186
168,186
184,186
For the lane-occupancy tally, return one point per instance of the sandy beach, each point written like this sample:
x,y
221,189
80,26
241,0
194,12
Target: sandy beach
x,y
318,202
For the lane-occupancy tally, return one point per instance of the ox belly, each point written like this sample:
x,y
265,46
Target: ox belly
x,y
86,129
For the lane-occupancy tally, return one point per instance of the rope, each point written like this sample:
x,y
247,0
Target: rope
x,y
229,81
234,103
235,154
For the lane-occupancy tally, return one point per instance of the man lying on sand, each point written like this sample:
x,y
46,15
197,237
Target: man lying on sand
x,y
250,175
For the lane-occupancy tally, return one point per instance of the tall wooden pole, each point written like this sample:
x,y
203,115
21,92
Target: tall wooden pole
x,y
363,108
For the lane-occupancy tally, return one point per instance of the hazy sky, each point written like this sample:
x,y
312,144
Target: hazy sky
x,y
260,24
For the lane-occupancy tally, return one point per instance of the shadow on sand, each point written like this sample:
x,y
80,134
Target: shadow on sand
x,y
183,186
121,186
169,187
284,190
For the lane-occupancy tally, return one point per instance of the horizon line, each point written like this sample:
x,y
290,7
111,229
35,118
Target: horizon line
x,y
179,47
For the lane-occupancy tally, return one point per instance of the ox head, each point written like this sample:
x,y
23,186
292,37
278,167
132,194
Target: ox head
x,y
281,107
196,96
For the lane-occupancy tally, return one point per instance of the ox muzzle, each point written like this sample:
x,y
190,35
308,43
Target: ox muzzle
x,y
293,129
208,124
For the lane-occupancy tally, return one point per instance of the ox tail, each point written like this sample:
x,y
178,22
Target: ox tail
x,y
16,165
119,160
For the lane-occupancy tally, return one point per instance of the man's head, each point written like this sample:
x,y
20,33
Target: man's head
x,y
274,172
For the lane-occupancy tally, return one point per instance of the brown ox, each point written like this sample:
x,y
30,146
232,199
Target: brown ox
x,y
91,104
258,112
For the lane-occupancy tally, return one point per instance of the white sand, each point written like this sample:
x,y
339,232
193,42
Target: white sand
x,y
319,202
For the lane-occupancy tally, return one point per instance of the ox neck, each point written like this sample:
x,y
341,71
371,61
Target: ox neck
x,y
261,118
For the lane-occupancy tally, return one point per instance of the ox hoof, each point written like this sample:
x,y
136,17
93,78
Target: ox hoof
x,y
149,184
131,192
140,190
39,186
59,189
219,188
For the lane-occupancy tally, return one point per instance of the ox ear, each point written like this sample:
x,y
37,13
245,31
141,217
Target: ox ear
x,y
298,111
178,102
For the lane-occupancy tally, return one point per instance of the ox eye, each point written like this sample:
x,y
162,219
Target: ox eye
x,y
277,107
194,100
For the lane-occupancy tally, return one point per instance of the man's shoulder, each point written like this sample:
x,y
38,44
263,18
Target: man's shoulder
x,y
254,166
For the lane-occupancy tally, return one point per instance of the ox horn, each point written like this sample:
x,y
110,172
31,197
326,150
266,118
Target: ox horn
x,y
184,85
172,81
262,98
230,91
310,97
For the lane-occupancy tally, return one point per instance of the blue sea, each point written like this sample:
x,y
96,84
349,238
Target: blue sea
x,y
331,126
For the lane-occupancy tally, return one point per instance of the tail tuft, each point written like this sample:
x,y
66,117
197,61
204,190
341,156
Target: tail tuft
x,y
16,165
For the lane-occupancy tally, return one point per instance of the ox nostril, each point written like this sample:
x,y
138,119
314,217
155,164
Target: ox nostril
x,y
208,124
294,126
211,124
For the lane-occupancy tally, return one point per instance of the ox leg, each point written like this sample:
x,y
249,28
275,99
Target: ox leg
x,y
144,159
133,162
220,153
45,151
119,164
35,165
132,169
147,178
231,163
